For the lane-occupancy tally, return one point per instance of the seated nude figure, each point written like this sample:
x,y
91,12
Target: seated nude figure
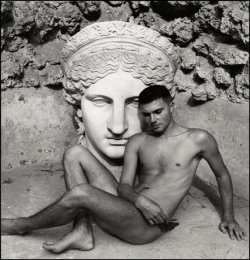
x,y
106,65
164,158
151,187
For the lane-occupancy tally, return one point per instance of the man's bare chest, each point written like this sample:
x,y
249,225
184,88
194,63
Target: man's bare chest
x,y
168,155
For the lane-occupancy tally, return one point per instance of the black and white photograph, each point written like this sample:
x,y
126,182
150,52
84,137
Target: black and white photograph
x,y
125,129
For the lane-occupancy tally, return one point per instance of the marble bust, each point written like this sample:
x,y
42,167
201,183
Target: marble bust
x,y
106,65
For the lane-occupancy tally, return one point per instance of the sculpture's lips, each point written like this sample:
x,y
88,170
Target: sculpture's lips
x,y
118,142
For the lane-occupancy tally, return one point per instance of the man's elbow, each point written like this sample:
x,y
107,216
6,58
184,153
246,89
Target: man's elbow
x,y
223,175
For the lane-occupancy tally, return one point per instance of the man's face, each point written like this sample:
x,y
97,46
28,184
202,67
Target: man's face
x,y
156,116
110,113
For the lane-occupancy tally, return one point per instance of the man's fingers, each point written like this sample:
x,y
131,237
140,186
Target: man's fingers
x,y
159,218
243,231
241,235
234,231
151,222
155,219
222,228
237,234
231,233
163,215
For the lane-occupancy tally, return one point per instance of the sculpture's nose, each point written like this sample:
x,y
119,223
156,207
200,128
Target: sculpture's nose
x,y
118,124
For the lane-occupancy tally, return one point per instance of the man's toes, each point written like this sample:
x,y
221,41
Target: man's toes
x,y
51,246
49,243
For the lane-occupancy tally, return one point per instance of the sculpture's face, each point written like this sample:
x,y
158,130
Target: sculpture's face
x,y
110,113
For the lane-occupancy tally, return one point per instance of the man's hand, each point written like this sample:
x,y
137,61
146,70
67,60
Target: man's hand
x,y
150,210
234,229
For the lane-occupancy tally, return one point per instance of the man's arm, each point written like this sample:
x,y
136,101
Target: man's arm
x,y
149,209
125,187
211,154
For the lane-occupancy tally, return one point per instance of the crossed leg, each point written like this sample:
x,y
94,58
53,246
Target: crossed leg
x,y
113,214
81,167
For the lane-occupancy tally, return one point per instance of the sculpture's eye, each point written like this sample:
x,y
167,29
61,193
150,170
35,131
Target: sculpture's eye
x,y
100,101
133,102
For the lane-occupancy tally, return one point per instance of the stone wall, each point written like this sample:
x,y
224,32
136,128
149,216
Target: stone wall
x,y
211,37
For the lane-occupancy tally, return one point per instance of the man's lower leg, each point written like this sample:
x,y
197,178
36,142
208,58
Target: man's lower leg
x,y
81,236
75,160
56,214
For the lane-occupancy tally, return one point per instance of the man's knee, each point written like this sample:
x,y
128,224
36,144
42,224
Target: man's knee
x,y
74,153
76,197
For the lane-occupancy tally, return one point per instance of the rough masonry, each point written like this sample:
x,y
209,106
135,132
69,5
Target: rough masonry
x,y
211,38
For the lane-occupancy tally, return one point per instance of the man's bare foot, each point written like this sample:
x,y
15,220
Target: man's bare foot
x,y
12,226
78,238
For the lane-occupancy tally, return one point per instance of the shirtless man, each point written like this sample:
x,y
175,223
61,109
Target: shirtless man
x,y
164,158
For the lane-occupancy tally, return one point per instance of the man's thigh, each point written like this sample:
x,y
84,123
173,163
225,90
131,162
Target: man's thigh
x,y
119,217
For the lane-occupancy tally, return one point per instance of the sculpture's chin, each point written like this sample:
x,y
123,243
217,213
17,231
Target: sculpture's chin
x,y
115,152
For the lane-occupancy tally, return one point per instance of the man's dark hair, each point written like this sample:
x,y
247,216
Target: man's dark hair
x,y
154,92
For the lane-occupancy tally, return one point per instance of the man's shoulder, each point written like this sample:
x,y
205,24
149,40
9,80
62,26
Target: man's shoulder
x,y
135,140
137,137
200,136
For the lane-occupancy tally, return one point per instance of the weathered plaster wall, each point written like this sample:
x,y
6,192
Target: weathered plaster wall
x,y
212,39
37,125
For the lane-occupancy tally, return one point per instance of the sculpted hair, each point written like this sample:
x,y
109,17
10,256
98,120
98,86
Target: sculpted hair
x,y
103,48
154,92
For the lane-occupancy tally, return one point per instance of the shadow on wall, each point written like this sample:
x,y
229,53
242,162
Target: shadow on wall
x,y
191,102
